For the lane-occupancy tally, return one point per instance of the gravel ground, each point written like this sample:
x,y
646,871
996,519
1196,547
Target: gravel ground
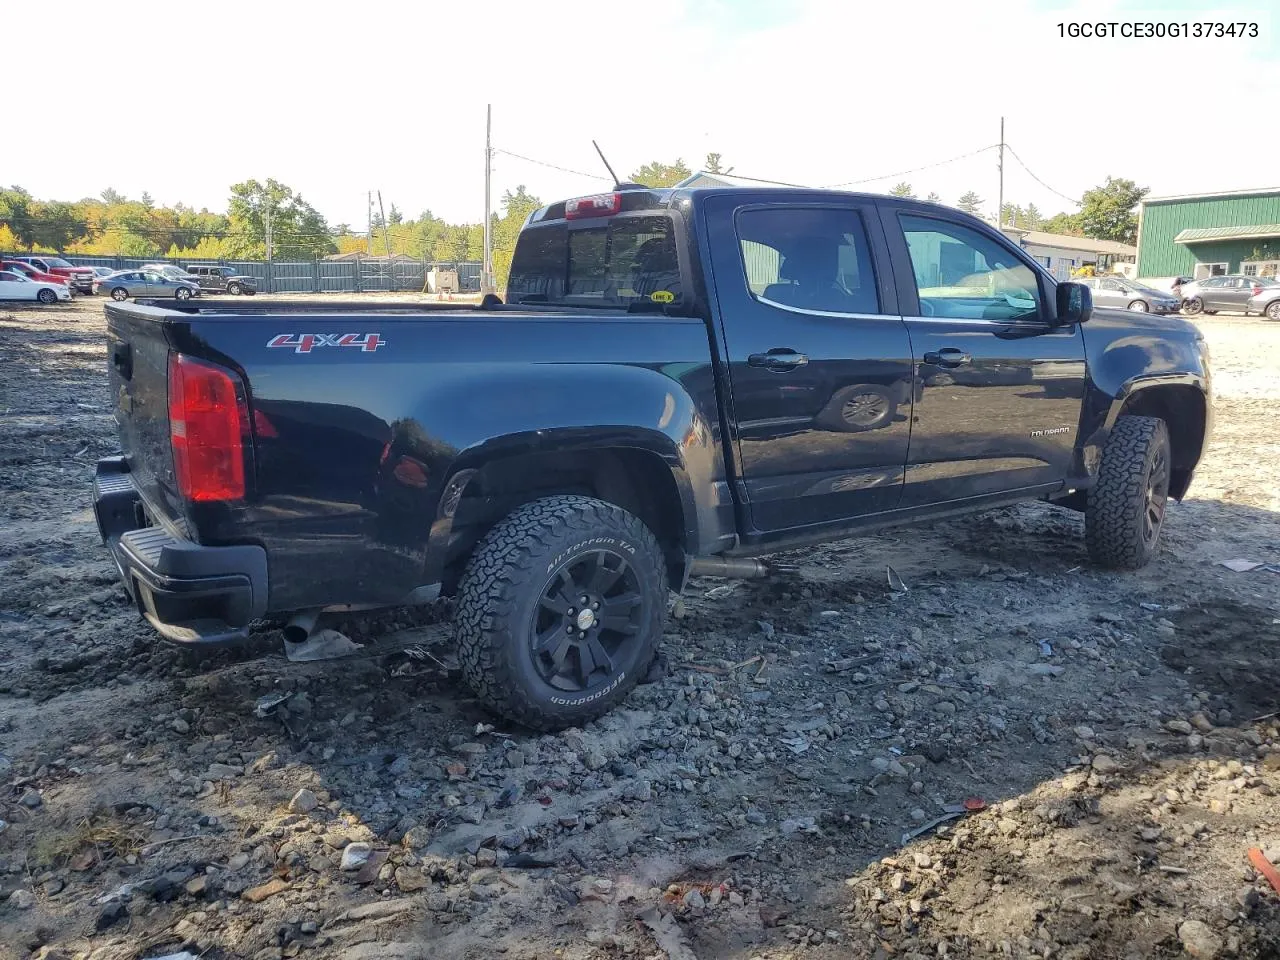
x,y
751,804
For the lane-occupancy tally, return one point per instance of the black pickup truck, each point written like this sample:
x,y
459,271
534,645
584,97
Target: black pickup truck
x,y
678,382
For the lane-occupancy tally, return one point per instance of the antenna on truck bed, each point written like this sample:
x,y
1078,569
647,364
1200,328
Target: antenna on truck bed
x,y
616,182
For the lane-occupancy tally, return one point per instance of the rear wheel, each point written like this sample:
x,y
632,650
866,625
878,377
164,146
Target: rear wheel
x,y
560,611
47,296
1126,508
182,293
1138,306
1193,306
1273,311
857,408
119,293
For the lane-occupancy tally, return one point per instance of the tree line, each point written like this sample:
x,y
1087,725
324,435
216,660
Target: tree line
x,y
1107,212
114,225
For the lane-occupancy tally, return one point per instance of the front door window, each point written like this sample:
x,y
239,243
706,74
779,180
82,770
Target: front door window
x,y
961,274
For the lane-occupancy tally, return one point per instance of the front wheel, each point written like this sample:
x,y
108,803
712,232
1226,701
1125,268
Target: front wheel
x,y
1126,508
1138,306
47,296
560,611
1193,306
234,289
119,293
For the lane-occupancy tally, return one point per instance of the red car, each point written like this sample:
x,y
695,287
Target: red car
x,y
79,278
33,273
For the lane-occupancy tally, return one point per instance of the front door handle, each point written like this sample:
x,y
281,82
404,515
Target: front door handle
x,y
947,357
779,358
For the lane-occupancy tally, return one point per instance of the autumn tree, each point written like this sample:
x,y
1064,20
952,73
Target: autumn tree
x,y
658,174
16,214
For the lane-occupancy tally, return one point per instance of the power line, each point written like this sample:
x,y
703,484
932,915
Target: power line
x,y
1014,153
927,166
553,166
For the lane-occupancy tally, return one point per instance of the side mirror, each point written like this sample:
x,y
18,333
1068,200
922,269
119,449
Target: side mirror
x,y
1075,303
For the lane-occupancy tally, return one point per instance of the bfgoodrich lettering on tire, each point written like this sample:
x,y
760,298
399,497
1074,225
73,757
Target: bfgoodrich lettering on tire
x,y
1126,508
560,611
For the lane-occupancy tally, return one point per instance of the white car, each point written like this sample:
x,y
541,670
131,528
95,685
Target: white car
x,y
14,286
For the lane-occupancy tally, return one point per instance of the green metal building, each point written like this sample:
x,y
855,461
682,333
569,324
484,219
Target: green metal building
x,y
1210,234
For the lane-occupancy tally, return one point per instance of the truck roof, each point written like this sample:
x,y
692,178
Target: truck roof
x,y
633,198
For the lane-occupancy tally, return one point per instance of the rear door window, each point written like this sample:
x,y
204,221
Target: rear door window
x,y
809,259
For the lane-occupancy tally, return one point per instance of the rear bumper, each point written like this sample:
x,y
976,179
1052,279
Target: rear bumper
x,y
192,594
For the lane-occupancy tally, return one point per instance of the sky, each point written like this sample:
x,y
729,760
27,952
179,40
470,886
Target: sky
x,y
337,99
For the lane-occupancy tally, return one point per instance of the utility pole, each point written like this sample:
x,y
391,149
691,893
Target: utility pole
x,y
368,230
267,216
1000,167
486,268
386,231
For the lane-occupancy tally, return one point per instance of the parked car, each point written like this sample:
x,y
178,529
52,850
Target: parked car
x,y
1170,285
100,272
17,286
143,283
79,277
1266,301
1230,292
170,271
557,461
33,273
1128,295
223,279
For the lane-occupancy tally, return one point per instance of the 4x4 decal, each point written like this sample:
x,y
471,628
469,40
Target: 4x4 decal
x,y
306,342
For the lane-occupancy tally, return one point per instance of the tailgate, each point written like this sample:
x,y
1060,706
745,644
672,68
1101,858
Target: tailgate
x,y
138,370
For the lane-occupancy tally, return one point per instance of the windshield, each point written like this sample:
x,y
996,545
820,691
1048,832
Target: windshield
x,y
619,262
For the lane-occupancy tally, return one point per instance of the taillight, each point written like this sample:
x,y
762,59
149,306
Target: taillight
x,y
207,428
1256,290
601,205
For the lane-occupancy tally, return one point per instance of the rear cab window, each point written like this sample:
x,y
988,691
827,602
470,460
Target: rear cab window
x,y
628,261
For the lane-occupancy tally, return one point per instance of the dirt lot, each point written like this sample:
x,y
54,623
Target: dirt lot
x,y
751,804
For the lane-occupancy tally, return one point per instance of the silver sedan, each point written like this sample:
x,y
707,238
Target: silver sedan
x,y
1266,301
144,283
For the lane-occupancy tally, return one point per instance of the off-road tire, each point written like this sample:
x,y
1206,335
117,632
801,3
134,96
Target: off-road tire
x,y
504,581
1118,504
233,289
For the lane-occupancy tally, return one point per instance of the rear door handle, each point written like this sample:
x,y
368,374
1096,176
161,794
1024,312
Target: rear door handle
x,y
779,358
947,357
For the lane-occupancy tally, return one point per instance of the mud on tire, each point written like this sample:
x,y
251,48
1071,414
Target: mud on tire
x,y
1126,508
530,649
